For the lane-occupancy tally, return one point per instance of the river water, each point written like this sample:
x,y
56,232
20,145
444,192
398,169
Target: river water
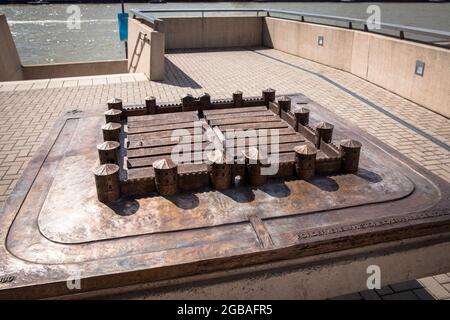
x,y
42,34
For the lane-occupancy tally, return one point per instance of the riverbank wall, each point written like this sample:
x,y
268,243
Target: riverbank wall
x,y
11,68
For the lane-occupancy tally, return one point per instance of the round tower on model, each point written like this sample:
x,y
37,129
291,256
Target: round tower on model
x,y
107,182
219,170
254,162
204,104
237,99
324,132
111,131
285,103
305,161
115,103
351,150
113,115
150,104
108,152
301,114
188,103
268,96
166,177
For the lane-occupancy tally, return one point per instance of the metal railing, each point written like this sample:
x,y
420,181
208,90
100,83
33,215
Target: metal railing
x,y
442,37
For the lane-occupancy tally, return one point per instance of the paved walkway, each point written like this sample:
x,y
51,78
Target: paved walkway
x,y
70,82
28,113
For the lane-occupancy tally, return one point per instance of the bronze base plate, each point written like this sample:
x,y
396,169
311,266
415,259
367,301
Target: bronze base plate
x,y
53,227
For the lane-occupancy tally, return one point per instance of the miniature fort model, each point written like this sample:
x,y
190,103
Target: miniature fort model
x,y
136,157
183,196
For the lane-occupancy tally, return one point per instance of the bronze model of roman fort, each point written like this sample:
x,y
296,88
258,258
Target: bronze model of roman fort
x,y
135,156
145,216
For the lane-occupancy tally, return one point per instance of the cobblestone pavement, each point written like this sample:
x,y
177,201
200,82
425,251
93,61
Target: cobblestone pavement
x,y
28,113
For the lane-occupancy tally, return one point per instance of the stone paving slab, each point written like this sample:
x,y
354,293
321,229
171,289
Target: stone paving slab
x,y
28,111
70,82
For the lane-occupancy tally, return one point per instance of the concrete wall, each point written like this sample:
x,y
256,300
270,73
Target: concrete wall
x,y
212,32
74,69
145,50
391,64
10,67
300,39
385,61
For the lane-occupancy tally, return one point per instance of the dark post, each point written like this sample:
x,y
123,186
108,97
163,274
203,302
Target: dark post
x,y
237,99
150,104
125,42
205,101
285,104
268,96
205,104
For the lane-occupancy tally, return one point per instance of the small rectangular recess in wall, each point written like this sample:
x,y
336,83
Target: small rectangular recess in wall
x,y
420,68
320,41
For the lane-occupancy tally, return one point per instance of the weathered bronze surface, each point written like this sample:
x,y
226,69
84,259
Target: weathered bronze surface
x,y
53,225
233,127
